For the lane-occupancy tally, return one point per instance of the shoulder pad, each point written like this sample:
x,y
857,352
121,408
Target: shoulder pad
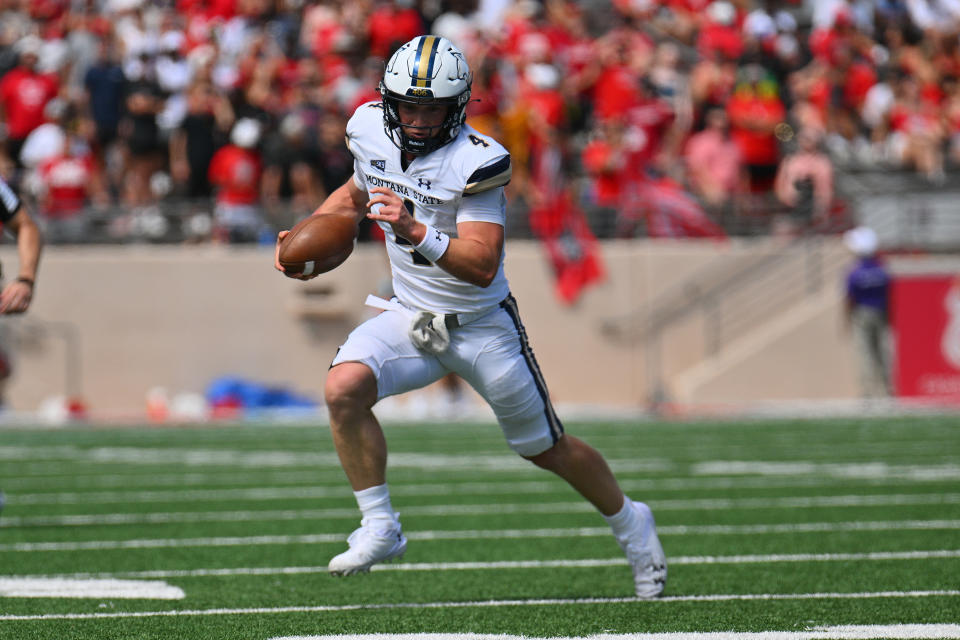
x,y
490,176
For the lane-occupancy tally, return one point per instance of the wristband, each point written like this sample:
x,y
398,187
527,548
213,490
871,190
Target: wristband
x,y
434,244
26,280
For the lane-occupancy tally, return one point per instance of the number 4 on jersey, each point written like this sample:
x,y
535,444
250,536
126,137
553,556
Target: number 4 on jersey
x,y
478,140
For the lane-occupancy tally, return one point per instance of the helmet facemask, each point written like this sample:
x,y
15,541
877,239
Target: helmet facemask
x,y
428,70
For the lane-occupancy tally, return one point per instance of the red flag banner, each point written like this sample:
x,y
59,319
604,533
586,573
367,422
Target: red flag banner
x,y
671,212
570,244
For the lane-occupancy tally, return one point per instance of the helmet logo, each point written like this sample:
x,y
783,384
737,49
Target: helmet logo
x,y
460,61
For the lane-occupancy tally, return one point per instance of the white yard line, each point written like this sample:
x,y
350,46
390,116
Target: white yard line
x,y
57,478
350,513
74,482
200,457
467,488
720,597
836,632
522,564
675,530
286,459
942,472
60,587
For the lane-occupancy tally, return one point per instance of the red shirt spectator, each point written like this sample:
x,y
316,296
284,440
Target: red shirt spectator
x,y
859,78
392,24
67,179
717,39
541,95
917,118
614,92
235,172
755,110
650,118
606,166
209,8
23,94
621,54
614,160
720,35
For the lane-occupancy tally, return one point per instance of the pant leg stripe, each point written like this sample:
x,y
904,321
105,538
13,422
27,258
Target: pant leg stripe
x,y
509,305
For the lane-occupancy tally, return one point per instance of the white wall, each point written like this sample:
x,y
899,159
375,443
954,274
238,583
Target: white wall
x,y
179,316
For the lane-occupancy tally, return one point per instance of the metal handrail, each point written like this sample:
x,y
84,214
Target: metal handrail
x,y
731,305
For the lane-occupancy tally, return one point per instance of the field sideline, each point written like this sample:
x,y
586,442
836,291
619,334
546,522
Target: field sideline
x,y
773,528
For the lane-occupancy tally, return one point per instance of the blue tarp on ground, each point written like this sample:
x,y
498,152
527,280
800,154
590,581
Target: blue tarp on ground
x,y
249,394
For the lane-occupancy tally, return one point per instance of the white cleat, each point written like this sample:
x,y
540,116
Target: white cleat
x,y
645,555
368,546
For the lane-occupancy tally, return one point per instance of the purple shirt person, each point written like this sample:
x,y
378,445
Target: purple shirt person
x,y
868,284
867,306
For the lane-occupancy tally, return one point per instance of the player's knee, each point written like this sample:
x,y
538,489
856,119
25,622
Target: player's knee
x,y
350,386
552,458
514,404
527,421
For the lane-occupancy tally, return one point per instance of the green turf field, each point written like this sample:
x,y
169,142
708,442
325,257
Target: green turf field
x,y
224,532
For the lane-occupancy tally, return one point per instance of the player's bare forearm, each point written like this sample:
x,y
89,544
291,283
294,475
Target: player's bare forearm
x,y
17,295
29,243
347,200
475,256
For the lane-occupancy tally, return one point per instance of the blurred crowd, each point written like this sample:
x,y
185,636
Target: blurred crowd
x,y
223,120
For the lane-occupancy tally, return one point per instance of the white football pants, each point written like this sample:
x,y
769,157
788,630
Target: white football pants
x,y
491,353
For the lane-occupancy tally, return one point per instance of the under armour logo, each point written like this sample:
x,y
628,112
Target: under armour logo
x,y
379,164
423,183
439,235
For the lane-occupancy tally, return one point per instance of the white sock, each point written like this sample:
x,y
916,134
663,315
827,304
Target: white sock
x,y
625,520
375,505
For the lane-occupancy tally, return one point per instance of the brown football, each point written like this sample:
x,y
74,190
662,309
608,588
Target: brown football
x,y
317,244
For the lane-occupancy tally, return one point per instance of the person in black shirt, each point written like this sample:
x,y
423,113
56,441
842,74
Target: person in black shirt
x,y
204,129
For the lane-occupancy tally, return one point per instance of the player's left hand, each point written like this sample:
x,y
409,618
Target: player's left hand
x,y
393,212
276,251
16,297
276,259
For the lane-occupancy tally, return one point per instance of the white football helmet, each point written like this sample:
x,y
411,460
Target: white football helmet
x,y
426,70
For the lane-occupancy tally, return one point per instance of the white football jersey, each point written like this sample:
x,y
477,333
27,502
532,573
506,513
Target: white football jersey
x,y
460,182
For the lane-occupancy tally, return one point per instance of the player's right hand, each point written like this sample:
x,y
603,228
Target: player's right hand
x,y
15,297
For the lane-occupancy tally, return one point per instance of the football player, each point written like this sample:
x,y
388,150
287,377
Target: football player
x,y
16,295
435,186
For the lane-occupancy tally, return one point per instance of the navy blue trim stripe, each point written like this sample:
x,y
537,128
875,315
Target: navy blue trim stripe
x,y
433,59
490,171
416,60
509,305
416,63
